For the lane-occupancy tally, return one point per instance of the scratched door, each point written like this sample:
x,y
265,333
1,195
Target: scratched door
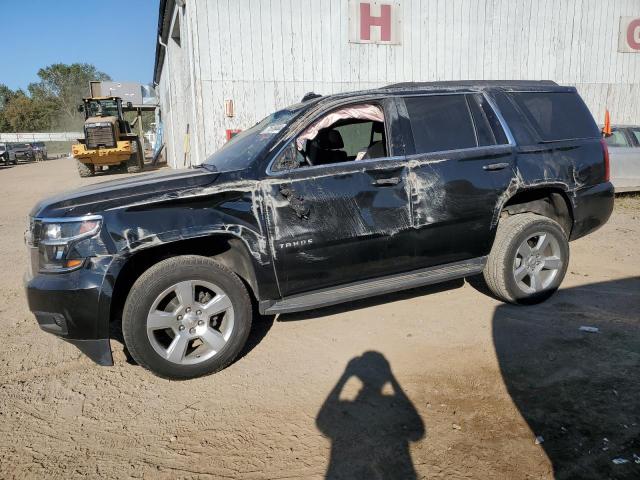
x,y
461,165
339,223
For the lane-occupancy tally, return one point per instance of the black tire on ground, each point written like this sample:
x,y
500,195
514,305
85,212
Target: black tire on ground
x,y
499,272
153,283
85,169
135,163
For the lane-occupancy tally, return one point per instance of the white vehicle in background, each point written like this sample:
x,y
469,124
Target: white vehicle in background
x,y
624,157
7,155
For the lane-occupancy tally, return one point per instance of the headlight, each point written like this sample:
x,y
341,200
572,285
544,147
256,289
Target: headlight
x,y
64,244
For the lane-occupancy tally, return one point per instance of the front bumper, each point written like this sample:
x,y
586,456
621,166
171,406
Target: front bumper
x,y
104,156
68,305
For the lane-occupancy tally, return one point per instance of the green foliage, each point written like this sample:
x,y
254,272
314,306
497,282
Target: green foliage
x,y
6,95
52,102
67,85
24,114
147,119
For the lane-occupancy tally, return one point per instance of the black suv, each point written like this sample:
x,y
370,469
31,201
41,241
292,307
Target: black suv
x,y
334,199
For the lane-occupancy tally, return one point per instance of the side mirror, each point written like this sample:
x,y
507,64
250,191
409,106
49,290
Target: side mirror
x,y
81,108
129,105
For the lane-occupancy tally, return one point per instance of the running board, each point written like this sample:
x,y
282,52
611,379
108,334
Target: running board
x,y
370,288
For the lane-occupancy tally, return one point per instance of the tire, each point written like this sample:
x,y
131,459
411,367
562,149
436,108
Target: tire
x,y
527,274
135,163
85,169
155,295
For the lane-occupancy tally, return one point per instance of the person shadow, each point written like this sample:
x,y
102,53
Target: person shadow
x,y
370,434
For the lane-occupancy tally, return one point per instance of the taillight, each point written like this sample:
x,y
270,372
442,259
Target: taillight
x,y
605,155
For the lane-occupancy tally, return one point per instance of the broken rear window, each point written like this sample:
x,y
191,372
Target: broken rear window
x,y
557,115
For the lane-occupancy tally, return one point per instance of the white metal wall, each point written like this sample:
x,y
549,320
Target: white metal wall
x,y
265,54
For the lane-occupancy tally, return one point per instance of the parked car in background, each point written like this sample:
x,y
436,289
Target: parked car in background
x,y
6,154
624,153
22,151
39,151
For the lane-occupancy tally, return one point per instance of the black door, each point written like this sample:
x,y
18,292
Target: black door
x,y
460,164
335,223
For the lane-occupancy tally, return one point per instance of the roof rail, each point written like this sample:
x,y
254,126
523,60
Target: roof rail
x,y
476,83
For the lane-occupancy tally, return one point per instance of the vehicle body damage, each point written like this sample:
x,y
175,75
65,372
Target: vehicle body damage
x,y
291,230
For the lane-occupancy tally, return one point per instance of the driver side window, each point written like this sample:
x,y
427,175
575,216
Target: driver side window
x,y
351,133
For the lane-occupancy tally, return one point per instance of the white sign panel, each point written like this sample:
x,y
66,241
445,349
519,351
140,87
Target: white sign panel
x,y
374,21
629,39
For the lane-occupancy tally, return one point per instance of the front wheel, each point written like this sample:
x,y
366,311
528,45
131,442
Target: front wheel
x,y
135,164
528,260
85,169
185,317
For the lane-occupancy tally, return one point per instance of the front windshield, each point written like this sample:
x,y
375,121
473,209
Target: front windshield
x,y
102,108
239,152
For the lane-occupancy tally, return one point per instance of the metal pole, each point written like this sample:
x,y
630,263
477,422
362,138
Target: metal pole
x,y
141,133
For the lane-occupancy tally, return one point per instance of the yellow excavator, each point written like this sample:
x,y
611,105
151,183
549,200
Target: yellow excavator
x,y
109,140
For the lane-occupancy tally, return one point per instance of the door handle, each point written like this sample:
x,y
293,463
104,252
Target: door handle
x,y
495,166
380,182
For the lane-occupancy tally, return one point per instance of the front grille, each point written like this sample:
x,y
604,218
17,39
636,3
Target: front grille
x,y
99,136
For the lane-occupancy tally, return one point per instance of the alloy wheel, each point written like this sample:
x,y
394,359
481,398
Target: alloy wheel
x,y
190,322
537,262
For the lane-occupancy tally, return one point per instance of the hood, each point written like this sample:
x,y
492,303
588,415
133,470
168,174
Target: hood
x,y
116,193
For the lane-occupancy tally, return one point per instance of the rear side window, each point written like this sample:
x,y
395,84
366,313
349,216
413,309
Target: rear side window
x,y
617,139
557,115
440,122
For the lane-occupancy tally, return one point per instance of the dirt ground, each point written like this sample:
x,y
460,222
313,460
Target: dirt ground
x,y
439,382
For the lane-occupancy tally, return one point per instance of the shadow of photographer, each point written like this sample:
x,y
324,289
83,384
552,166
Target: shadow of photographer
x,y
370,434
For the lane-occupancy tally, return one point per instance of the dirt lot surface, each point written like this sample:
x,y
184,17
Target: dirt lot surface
x,y
453,385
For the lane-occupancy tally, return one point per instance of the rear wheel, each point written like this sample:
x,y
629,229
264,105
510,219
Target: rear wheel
x,y
528,260
85,169
185,317
135,163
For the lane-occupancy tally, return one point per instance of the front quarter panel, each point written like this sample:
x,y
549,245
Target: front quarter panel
x,y
228,209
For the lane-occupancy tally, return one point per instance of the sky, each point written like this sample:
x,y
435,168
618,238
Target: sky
x,y
117,36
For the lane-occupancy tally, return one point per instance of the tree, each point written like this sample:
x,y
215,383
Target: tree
x,y
66,85
6,94
24,114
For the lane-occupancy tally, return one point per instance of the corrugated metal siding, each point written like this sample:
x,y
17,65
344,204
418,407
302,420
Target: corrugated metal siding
x,y
265,54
